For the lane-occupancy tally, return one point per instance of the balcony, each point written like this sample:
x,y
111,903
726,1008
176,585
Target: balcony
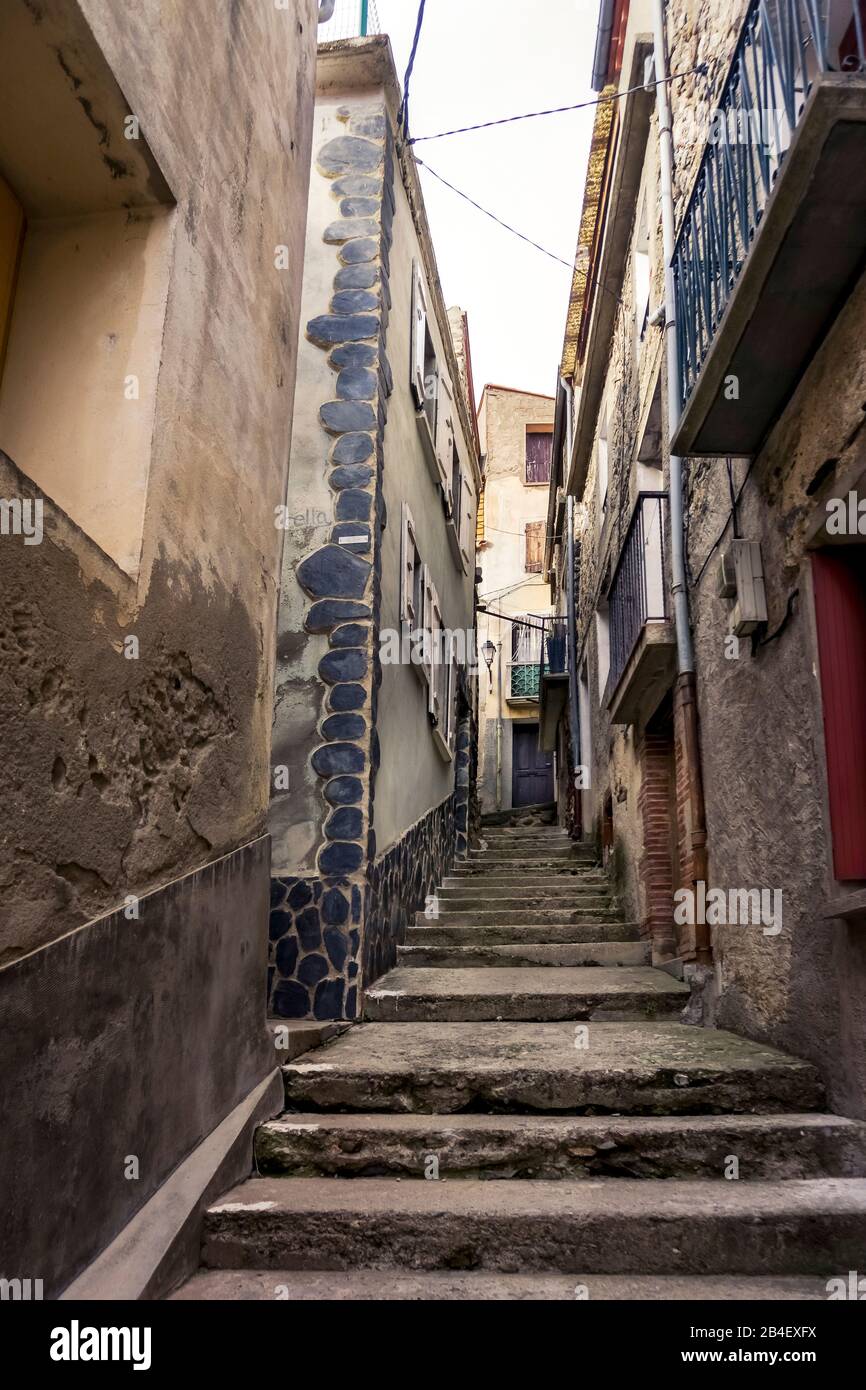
x,y
642,639
352,19
774,234
539,656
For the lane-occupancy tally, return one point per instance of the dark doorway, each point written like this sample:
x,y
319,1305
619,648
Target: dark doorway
x,y
531,770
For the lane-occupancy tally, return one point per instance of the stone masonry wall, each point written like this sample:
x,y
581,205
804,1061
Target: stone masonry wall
x,y
315,921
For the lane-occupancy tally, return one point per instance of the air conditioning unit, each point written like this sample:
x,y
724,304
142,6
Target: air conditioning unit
x,y
741,577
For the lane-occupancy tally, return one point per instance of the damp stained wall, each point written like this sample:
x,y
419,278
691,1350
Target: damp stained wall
x,y
118,774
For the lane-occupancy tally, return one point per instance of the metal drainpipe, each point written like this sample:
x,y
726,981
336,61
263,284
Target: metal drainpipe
x,y
571,611
499,724
685,688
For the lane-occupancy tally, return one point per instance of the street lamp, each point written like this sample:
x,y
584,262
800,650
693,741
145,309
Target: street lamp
x,y
488,651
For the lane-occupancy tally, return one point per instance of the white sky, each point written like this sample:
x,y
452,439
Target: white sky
x,y
479,60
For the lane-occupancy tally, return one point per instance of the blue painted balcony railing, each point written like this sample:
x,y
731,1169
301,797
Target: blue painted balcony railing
x,y
783,46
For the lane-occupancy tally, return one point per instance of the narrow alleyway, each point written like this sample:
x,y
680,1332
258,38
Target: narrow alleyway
x,y
525,1054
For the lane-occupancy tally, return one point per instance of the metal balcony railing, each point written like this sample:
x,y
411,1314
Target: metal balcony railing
x,y
548,652
523,680
783,46
638,592
352,19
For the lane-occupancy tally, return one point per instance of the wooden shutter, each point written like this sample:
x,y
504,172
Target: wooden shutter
x,y
419,335
408,561
426,621
539,446
437,670
839,578
534,546
445,434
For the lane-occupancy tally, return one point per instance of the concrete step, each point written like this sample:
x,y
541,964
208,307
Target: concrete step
x,y
563,891
525,994
767,1147
624,1068
562,874
547,954
575,901
444,1286
443,933
520,917
622,1226
524,859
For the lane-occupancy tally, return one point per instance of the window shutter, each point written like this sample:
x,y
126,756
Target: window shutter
x,y
435,654
425,621
445,434
534,546
408,560
419,334
466,516
539,446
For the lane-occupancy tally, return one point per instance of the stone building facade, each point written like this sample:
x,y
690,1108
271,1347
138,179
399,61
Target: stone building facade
x,y
516,429
372,747
765,461
150,302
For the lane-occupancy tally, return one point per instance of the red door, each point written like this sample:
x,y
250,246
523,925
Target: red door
x,y
840,603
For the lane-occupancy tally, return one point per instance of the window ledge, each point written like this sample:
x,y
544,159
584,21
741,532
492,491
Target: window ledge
x,y
848,904
442,748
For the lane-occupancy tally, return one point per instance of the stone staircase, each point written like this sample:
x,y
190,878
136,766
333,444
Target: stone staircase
x,y
522,1116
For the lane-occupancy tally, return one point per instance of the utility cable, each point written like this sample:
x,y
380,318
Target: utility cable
x,y
702,69
492,215
403,113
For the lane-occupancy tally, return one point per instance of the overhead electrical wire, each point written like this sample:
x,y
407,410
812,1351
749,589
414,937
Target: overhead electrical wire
x,y
701,68
492,215
403,113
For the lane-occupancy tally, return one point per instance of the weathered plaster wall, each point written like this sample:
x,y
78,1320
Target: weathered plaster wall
x,y
121,773
134,784
413,776
633,369
762,734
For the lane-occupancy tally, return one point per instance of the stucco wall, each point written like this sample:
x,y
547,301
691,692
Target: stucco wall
x,y
413,777
762,734
134,776
120,773
506,587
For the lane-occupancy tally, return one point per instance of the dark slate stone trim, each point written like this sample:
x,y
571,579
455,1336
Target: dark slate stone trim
x,y
400,882
317,923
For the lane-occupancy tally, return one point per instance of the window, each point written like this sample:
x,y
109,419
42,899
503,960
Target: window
x,y
539,441
534,547
642,273
411,575
425,369
602,638
460,519
443,684
445,434
85,261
